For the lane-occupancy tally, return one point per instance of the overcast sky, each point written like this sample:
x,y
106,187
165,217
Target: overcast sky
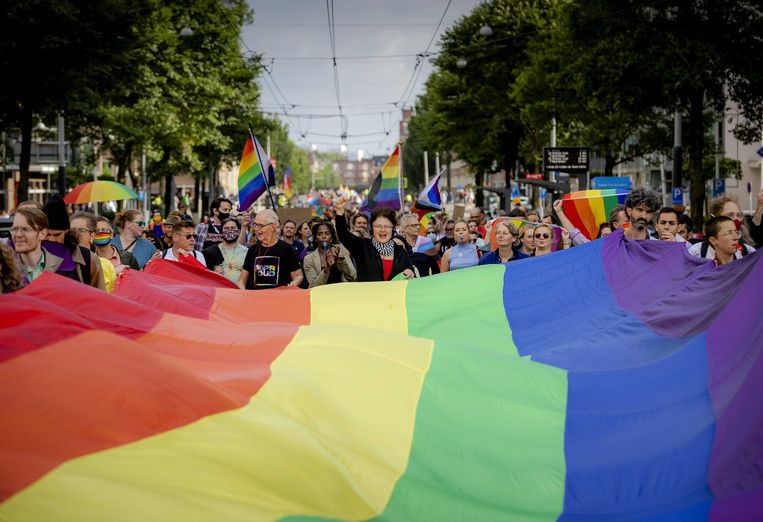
x,y
376,44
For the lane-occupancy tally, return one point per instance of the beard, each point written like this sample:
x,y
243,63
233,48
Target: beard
x,y
639,224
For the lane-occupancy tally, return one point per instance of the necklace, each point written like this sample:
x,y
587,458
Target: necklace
x,y
385,249
259,250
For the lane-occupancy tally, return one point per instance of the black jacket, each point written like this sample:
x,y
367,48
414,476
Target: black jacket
x,y
367,260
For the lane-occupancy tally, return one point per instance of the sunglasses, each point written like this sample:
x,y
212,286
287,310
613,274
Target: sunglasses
x,y
190,236
140,223
544,236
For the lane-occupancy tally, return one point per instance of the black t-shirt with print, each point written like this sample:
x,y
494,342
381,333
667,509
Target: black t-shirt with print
x,y
270,267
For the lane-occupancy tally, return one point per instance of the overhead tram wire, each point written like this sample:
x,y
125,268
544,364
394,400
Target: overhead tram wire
x,y
332,40
285,108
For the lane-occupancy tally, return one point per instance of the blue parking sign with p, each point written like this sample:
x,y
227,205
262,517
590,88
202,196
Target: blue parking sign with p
x,y
678,196
719,187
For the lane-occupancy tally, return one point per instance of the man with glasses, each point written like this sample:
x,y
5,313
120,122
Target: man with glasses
x,y
183,239
270,261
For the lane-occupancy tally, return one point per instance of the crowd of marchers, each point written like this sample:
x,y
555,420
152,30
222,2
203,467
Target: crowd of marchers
x,y
257,251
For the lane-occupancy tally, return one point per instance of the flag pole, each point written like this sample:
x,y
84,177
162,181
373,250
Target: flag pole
x,y
259,160
400,175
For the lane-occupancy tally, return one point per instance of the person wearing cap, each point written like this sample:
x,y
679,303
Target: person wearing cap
x,y
63,255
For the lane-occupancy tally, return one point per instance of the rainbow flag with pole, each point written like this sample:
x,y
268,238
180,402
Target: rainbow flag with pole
x,y
255,173
615,381
587,209
428,202
287,183
385,189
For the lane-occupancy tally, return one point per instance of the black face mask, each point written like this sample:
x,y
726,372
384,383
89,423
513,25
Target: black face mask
x,y
222,216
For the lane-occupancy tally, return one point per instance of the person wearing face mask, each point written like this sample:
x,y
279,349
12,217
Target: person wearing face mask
x,y
219,211
728,208
379,258
83,224
104,248
227,258
130,225
463,254
330,262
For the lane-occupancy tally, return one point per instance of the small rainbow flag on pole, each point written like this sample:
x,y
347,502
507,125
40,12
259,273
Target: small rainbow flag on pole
x,y
252,182
385,190
287,183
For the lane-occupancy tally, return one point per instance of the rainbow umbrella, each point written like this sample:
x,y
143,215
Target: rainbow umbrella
x,y
95,191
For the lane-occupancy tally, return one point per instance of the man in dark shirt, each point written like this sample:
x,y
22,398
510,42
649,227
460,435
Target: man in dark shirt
x,y
219,211
270,262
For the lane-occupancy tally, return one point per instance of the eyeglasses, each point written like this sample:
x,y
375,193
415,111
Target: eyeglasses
x,y
190,236
22,230
82,230
383,227
260,225
544,236
140,223
731,233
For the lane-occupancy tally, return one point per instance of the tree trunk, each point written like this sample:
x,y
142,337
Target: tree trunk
x,y
511,152
26,155
479,197
169,193
121,171
696,151
196,189
609,164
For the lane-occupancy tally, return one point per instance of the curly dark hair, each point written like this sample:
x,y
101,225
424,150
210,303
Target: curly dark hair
x,y
644,196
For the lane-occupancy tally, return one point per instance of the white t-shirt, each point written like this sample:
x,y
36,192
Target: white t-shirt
x,y
170,256
696,250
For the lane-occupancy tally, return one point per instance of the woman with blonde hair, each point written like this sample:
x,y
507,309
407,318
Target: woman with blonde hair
x,y
463,254
130,225
544,239
526,239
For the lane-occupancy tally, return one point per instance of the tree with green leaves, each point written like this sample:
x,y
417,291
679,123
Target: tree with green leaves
x,y
62,56
621,69
468,107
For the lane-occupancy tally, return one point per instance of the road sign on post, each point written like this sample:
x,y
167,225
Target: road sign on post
x,y
678,196
573,160
611,182
719,187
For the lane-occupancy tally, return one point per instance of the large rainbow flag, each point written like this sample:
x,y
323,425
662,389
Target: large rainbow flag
x,y
616,381
385,189
255,166
587,209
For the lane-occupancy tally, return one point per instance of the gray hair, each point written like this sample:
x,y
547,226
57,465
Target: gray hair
x,y
271,216
644,196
